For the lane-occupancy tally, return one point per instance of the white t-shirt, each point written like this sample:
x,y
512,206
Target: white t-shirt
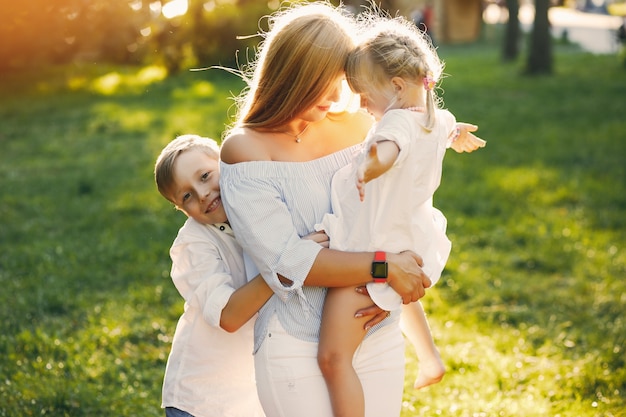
x,y
210,372
397,213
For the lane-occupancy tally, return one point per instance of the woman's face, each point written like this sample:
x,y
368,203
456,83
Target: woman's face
x,y
322,107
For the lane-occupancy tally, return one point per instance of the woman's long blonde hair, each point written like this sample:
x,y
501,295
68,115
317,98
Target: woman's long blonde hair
x,y
301,56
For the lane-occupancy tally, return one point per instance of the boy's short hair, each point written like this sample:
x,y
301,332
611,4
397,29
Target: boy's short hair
x,y
164,167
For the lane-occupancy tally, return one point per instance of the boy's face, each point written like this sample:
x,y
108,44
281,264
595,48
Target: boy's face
x,y
196,189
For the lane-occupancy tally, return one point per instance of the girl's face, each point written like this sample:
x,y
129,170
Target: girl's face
x,y
377,101
196,187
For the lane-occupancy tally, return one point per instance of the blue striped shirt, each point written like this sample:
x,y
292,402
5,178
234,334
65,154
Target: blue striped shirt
x,y
270,206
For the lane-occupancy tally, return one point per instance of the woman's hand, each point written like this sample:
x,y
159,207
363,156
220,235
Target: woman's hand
x,y
378,313
406,276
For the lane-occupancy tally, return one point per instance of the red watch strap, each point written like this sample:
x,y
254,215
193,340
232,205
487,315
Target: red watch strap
x,y
380,256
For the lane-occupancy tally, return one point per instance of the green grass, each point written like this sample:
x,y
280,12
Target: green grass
x,y
529,314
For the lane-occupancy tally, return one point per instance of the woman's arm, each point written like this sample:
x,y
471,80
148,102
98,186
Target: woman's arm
x,y
254,196
263,225
340,269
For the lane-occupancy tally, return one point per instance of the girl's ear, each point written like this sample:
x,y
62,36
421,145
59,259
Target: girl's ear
x,y
398,84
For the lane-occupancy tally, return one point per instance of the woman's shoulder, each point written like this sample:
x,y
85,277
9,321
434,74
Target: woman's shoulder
x,y
350,127
360,119
243,145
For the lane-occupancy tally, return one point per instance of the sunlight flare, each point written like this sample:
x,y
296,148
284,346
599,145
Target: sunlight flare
x,y
175,8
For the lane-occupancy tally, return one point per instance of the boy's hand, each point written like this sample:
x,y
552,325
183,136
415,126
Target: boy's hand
x,y
466,141
320,237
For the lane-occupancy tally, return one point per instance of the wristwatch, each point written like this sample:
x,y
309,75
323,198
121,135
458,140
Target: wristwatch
x,y
379,267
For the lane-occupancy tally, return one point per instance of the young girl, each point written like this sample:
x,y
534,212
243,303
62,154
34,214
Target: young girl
x,y
394,70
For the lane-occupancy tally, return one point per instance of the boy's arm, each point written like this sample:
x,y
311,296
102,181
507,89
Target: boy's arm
x,y
380,157
248,299
244,303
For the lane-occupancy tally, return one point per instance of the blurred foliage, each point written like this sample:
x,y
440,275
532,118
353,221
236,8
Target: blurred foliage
x,y
60,31
208,34
46,32
124,32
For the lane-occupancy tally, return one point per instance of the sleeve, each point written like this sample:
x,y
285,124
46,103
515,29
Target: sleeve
x,y
201,277
396,127
451,128
264,227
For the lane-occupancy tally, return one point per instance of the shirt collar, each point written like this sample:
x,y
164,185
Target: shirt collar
x,y
224,227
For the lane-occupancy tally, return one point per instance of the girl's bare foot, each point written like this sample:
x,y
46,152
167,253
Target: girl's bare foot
x,y
430,372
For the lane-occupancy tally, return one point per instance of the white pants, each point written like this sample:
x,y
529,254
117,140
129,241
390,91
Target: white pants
x,y
290,383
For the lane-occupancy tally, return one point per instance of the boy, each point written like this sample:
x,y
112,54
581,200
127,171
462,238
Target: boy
x,y
210,370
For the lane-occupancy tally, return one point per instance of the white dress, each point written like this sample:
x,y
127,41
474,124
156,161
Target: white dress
x,y
397,213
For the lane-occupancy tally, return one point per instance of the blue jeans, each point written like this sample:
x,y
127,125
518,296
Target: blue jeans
x,y
175,412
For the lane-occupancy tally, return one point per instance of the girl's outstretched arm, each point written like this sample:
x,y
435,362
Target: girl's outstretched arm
x,y
380,157
463,140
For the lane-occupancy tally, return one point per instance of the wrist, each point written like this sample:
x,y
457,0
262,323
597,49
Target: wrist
x,y
454,135
380,267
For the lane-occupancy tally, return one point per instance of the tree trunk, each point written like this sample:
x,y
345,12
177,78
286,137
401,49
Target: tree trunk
x,y
540,55
511,35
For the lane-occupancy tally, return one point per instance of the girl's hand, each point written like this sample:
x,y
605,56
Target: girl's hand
x,y
380,157
466,141
368,170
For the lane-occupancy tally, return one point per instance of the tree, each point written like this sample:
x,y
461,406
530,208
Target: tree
x,y
512,32
44,31
540,55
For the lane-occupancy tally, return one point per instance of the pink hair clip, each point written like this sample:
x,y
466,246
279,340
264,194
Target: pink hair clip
x,y
429,81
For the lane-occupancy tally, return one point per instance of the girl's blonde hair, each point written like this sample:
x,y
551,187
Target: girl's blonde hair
x,y
164,166
301,56
393,47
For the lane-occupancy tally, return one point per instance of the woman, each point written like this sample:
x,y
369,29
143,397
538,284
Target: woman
x,y
277,166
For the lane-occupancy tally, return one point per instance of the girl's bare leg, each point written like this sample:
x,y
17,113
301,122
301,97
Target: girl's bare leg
x,y
340,335
415,327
